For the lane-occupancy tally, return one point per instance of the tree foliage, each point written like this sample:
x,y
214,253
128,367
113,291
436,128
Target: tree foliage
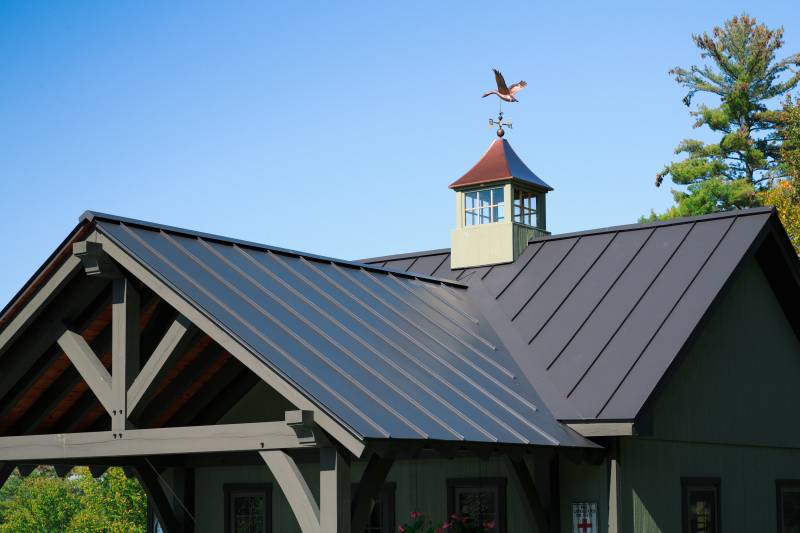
x,y
785,194
744,75
44,503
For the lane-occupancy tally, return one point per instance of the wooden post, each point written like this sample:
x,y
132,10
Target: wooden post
x,y
157,498
334,491
124,347
613,487
537,515
368,490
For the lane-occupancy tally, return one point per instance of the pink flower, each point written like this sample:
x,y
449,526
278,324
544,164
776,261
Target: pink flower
x,y
445,525
401,529
415,515
488,525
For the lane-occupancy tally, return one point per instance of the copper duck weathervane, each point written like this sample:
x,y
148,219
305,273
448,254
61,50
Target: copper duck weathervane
x,y
506,94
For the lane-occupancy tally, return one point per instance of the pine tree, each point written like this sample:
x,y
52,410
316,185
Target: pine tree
x,y
742,71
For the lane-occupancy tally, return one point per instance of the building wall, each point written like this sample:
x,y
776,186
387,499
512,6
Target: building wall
x,y
728,411
420,486
582,482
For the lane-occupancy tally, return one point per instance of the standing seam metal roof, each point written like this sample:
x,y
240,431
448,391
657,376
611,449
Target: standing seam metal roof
x,y
600,315
391,355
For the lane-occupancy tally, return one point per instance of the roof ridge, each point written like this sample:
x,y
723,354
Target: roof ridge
x,y
750,211
92,216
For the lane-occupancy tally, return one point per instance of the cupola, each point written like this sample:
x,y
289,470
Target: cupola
x,y
500,206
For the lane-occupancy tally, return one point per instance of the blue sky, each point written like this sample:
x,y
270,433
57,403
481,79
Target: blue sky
x,y
332,128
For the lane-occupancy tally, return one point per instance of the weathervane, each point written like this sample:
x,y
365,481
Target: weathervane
x,y
506,94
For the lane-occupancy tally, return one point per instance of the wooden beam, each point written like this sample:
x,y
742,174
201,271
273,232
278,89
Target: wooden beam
x,y
95,262
23,355
163,357
368,490
295,488
124,347
135,442
89,366
249,358
537,516
334,491
57,281
33,421
603,429
157,498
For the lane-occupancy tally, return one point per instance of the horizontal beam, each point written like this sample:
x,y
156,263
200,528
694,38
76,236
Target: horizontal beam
x,y
88,366
603,429
139,442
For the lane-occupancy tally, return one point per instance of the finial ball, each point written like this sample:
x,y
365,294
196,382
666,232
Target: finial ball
x,y
500,132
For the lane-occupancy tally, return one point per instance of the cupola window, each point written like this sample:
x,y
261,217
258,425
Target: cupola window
x,y
524,207
484,206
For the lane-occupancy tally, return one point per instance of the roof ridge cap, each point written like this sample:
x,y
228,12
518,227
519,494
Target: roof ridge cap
x,y
93,217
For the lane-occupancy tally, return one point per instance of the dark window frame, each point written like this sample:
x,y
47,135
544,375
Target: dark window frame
x,y
229,489
779,485
388,501
711,481
474,482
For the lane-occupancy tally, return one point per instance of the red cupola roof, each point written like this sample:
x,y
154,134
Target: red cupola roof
x,y
499,163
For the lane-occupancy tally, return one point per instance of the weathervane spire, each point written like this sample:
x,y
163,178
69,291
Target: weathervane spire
x,y
506,94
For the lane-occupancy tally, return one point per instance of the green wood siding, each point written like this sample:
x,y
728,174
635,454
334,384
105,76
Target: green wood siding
x,y
728,411
421,486
583,482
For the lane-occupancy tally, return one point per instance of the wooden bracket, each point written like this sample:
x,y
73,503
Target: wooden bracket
x,y
302,423
95,261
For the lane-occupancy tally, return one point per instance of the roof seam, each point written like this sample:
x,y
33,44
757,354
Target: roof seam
x,y
631,310
669,313
256,332
574,286
272,318
545,280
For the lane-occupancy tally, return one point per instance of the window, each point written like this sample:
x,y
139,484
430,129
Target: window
x,y
701,505
524,207
382,518
248,508
788,506
484,500
484,207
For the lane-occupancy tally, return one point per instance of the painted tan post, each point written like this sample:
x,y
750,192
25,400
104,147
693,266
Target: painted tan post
x,y
334,491
124,347
613,488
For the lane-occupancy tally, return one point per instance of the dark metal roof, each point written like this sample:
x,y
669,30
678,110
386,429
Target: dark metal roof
x,y
389,355
499,163
595,318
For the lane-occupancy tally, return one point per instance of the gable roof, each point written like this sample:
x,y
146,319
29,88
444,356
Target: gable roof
x,y
500,162
598,317
388,354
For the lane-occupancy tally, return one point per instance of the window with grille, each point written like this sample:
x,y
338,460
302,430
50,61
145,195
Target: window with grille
x,y
248,508
701,504
483,500
524,207
484,206
788,506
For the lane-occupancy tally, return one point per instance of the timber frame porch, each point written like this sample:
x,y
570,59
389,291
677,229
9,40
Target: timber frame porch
x,y
104,363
